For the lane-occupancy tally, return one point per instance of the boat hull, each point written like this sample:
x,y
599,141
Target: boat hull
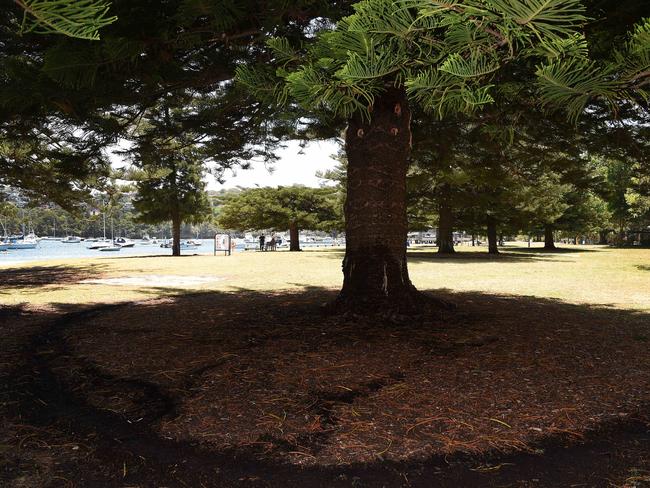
x,y
111,249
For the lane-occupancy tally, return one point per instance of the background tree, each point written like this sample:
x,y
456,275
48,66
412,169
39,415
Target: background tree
x,y
291,207
170,183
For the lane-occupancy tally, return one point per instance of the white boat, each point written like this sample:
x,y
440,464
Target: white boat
x,y
147,241
100,244
111,248
22,244
184,244
124,242
71,240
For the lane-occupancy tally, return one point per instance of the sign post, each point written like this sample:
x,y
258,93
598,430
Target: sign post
x,y
223,243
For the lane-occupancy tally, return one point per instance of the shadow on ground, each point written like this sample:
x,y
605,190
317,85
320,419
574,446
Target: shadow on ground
x,y
263,390
35,277
557,250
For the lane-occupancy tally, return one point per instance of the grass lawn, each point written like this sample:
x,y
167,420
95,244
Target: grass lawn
x,y
207,371
577,274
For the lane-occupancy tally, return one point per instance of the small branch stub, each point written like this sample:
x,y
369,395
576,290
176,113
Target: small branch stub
x,y
394,131
398,110
360,133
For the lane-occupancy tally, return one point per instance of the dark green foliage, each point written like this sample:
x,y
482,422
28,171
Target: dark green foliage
x,y
291,208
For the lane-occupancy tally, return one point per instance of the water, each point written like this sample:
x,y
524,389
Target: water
x,y
48,250
57,250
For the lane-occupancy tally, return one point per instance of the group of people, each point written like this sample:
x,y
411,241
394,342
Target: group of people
x,y
268,246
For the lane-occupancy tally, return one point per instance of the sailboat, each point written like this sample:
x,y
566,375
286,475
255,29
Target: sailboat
x,y
101,243
112,246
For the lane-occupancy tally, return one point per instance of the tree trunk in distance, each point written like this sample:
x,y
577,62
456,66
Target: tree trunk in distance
x,y
549,243
176,236
445,223
294,236
493,245
602,237
375,273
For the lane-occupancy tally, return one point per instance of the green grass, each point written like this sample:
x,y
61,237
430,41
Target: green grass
x,y
579,274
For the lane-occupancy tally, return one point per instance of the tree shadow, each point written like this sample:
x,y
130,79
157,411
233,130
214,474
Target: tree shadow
x,y
557,250
643,267
36,277
263,388
474,257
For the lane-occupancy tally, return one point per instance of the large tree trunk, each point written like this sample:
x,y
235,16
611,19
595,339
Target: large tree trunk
x,y
493,245
176,235
294,236
549,243
375,273
445,222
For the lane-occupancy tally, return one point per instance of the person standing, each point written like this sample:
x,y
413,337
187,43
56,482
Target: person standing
x,y
262,239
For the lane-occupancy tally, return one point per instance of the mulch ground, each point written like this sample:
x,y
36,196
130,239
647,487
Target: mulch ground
x,y
250,389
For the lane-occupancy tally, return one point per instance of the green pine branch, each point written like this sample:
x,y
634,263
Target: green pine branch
x,y
74,18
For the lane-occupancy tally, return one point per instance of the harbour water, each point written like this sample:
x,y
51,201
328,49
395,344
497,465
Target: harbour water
x,y
48,250
52,250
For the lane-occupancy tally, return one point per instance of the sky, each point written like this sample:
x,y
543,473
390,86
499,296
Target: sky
x,y
294,167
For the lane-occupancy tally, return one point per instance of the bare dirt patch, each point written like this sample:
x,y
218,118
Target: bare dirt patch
x,y
160,281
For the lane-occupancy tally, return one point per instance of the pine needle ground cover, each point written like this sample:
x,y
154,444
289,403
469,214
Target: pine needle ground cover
x,y
541,377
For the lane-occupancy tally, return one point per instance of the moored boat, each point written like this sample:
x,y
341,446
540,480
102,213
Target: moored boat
x,y
111,248
100,244
22,244
124,242
71,240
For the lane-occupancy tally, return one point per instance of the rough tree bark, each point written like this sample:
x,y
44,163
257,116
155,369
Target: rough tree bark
x,y
374,268
445,222
294,236
493,245
176,235
549,243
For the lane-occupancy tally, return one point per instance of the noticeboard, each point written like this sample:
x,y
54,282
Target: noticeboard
x,y
223,243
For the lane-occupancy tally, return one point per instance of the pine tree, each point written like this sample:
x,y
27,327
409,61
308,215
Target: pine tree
x,y
170,172
294,208
387,54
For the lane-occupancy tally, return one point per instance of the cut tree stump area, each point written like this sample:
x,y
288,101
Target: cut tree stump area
x,y
263,388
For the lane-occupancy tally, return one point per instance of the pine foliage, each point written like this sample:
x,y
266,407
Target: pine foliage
x,y
444,52
74,18
572,79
